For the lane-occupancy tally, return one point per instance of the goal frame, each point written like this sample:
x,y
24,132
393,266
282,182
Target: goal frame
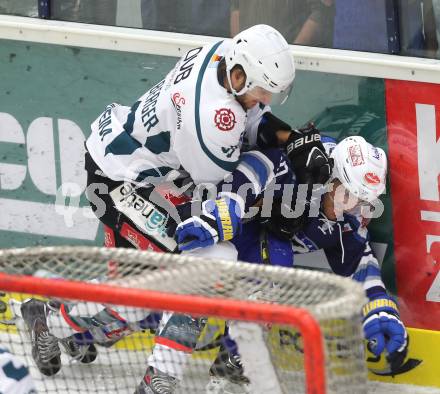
x,y
299,318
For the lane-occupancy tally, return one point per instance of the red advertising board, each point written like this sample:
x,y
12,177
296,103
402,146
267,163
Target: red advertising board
x,y
413,122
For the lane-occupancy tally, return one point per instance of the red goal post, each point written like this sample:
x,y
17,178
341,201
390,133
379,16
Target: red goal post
x,y
319,318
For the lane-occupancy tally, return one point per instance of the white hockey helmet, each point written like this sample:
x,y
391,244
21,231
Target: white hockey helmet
x,y
266,59
360,167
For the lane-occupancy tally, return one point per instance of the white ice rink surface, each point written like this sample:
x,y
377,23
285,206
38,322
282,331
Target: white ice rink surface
x,y
118,372
388,388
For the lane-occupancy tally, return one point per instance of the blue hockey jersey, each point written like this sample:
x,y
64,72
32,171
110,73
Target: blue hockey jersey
x,y
346,243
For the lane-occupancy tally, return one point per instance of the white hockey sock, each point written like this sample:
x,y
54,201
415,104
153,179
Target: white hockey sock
x,y
170,361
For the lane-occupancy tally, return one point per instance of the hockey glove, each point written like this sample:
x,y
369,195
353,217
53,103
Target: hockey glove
x,y
308,157
219,221
384,330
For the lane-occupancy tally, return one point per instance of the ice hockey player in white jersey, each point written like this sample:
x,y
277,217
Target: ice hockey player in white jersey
x,y
192,125
14,375
195,119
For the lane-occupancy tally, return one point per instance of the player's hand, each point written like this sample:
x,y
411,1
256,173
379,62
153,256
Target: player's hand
x,y
385,331
308,157
219,221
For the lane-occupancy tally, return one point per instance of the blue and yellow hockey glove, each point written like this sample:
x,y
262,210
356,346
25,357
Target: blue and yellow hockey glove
x,y
384,330
219,221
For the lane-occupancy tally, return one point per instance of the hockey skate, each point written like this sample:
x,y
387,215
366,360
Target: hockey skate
x,y
156,382
227,375
45,350
85,354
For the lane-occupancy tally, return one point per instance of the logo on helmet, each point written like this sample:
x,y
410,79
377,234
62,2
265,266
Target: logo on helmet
x,y
355,155
372,178
224,119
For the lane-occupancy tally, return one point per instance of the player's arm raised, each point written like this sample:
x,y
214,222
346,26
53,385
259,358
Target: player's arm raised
x,y
303,147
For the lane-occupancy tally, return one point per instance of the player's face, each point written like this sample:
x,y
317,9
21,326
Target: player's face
x,y
254,96
247,101
262,95
343,200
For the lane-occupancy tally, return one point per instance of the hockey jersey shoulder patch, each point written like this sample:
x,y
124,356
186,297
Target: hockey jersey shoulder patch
x,y
224,119
223,123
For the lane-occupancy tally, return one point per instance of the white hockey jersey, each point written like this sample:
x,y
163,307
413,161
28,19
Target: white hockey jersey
x,y
14,376
186,124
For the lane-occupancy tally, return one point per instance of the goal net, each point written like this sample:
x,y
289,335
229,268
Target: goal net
x,y
296,331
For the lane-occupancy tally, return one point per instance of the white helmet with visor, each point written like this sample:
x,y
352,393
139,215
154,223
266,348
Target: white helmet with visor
x,y
267,61
360,167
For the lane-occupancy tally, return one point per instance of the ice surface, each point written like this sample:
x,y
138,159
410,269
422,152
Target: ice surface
x,y
118,372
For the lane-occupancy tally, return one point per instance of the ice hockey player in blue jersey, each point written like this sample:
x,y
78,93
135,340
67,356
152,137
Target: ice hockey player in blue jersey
x,y
359,178
339,228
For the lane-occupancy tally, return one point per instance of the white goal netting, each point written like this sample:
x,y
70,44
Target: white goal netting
x,y
212,294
